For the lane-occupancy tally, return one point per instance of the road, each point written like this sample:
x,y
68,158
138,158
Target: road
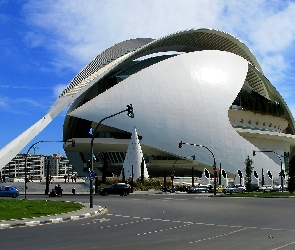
x,y
168,221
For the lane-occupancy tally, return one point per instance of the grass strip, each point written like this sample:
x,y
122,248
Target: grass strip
x,y
17,209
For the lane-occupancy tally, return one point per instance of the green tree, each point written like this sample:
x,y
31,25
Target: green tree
x,y
249,170
291,173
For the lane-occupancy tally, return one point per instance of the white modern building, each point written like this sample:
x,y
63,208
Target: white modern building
x,y
37,165
15,169
202,87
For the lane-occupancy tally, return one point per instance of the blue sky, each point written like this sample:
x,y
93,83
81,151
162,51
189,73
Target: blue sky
x,y
44,44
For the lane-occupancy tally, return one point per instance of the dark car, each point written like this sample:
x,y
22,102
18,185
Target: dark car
x,y
9,191
119,188
255,187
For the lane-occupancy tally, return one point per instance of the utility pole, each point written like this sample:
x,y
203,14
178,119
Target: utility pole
x,y
47,176
130,114
214,162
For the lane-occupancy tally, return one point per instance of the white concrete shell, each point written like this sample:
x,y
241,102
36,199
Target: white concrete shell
x,y
184,98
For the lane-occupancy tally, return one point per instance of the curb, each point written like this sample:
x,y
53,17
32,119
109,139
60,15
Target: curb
x,y
71,216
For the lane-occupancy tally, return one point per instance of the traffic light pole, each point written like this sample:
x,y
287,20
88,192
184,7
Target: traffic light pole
x,y
130,114
281,172
26,158
214,162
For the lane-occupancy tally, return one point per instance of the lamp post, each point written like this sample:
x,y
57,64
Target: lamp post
x,y
131,115
214,162
281,172
173,174
193,181
26,157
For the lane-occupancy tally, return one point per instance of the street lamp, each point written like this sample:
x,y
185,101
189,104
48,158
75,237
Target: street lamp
x,y
193,181
173,173
214,162
26,157
129,114
281,172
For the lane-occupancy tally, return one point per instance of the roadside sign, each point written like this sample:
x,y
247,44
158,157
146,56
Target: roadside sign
x,y
92,175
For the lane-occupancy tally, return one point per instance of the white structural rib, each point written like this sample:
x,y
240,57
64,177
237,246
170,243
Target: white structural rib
x,y
15,146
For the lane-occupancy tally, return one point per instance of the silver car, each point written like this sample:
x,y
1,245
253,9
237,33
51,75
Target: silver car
x,y
238,189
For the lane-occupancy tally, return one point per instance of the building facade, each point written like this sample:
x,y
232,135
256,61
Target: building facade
x,y
203,87
37,165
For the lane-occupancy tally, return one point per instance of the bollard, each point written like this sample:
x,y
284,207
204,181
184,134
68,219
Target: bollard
x,y
73,191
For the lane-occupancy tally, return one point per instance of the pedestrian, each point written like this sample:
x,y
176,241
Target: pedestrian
x,y
4,179
72,178
75,178
65,177
59,190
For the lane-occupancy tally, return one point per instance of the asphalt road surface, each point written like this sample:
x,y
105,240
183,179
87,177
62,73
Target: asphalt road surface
x,y
168,221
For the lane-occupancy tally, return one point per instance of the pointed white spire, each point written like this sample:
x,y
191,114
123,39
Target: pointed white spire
x,y
134,157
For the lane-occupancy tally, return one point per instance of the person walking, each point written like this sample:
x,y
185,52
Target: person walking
x,y
65,177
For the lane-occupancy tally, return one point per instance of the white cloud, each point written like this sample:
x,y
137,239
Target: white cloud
x,y
274,65
275,32
27,102
34,40
83,29
4,100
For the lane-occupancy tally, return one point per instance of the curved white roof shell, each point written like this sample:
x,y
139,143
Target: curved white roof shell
x,y
184,98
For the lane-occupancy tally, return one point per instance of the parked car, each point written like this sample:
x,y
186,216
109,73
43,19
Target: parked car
x,y
255,187
276,188
198,189
265,188
193,189
119,188
9,191
219,188
203,188
234,189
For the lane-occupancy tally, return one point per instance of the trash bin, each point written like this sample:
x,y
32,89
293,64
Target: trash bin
x,y
73,191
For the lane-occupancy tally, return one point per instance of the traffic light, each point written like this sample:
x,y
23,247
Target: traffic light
x,y
87,168
254,152
215,168
180,144
73,143
130,111
282,173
